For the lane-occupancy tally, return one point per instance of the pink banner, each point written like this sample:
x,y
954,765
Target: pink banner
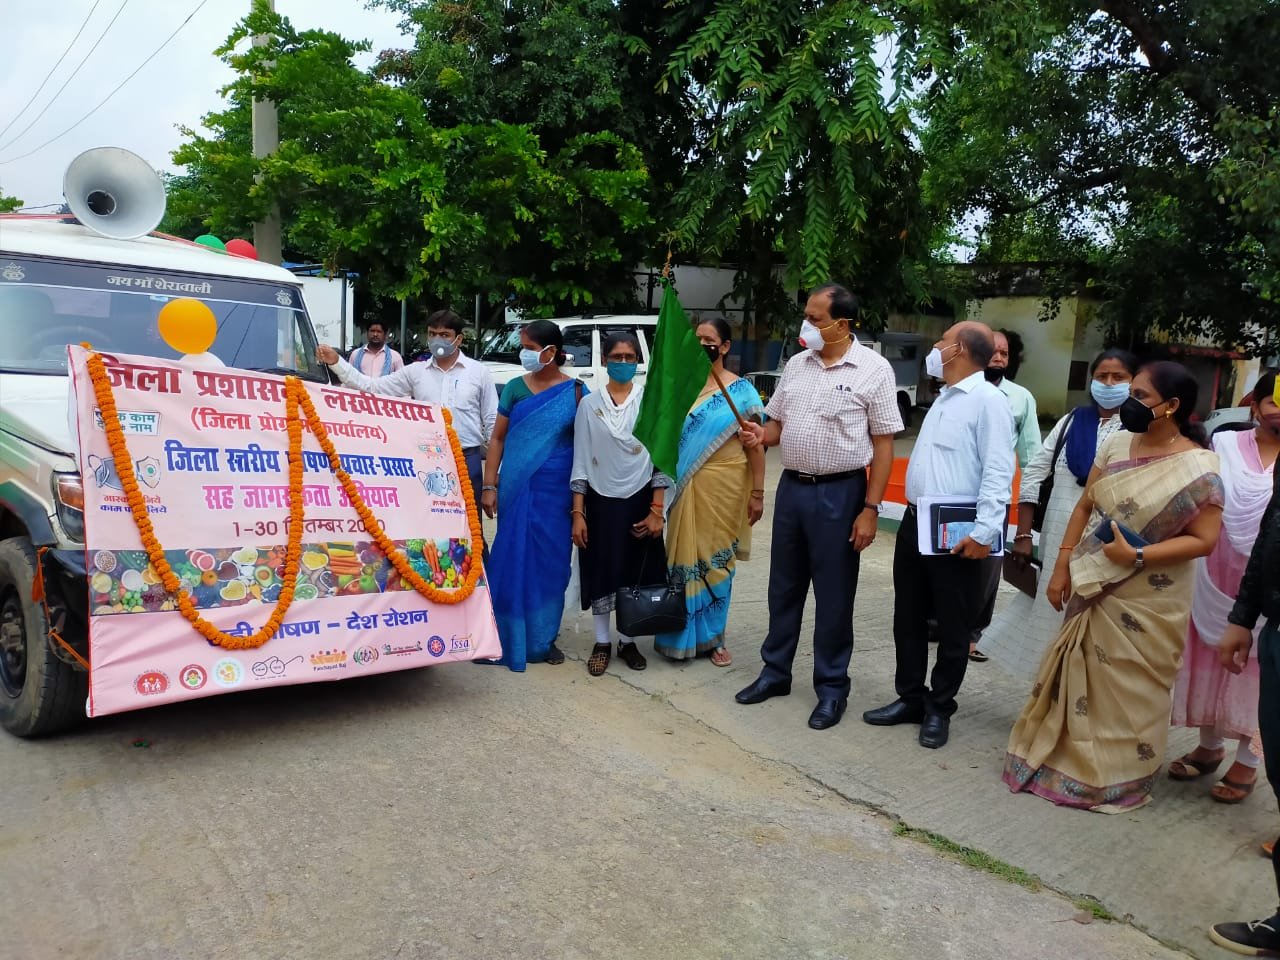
x,y
209,448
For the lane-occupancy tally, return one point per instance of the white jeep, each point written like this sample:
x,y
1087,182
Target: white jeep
x,y
65,280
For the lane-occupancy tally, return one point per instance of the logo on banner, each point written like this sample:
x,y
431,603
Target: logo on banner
x,y
193,676
151,683
228,672
329,660
389,651
435,647
460,643
273,667
364,656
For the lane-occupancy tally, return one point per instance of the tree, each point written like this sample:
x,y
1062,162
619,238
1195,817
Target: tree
x,y
365,179
1129,135
803,154
9,204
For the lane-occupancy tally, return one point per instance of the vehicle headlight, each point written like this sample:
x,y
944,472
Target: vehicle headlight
x,y
68,495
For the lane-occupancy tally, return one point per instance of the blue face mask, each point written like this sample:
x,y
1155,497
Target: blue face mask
x,y
1108,396
531,360
621,372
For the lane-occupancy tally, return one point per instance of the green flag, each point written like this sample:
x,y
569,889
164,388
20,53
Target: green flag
x,y
678,367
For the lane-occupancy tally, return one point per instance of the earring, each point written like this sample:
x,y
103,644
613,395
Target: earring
x,y
1168,413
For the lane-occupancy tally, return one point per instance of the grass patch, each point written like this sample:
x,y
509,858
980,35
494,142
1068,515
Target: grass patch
x,y
1090,905
978,860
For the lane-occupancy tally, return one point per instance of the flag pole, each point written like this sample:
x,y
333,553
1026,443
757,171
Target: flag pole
x,y
666,271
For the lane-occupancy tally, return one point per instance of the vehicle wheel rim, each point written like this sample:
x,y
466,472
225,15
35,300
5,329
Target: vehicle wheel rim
x,y
13,643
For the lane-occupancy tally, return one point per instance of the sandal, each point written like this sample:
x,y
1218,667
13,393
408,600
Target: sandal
x,y
1227,790
721,657
555,656
631,655
598,662
977,656
1180,768
1268,849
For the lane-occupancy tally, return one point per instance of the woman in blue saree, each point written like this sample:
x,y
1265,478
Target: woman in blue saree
x,y
530,562
719,494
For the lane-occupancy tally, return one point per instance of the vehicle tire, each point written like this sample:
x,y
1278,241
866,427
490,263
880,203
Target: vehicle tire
x,y
904,408
39,694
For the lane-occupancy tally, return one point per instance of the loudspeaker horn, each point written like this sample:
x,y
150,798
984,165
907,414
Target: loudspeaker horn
x,y
114,193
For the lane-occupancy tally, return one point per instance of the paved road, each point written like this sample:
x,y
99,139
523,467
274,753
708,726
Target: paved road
x,y
467,812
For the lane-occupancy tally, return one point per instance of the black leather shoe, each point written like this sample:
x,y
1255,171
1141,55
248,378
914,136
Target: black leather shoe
x,y
934,732
827,713
762,690
894,714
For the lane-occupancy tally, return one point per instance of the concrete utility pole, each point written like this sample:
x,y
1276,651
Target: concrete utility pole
x,y
266,140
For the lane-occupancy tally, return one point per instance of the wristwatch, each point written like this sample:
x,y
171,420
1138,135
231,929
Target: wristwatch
x,y
877,507
1138,562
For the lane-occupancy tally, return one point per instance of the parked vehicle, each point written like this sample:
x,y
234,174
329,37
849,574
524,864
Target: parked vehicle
x,y
1228,418
95,276
904,351
583,344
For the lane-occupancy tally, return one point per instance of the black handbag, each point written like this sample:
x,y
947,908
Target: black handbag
x,y
649,609
1046,485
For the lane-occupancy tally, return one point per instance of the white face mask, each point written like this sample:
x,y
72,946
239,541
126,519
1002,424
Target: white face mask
x,y
531,360
934,363
811,337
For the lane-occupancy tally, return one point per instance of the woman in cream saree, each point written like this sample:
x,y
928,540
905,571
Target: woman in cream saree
x,y
1094,730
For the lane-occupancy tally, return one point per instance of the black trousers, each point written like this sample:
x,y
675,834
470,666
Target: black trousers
x,y
955,592
811,528
1269,715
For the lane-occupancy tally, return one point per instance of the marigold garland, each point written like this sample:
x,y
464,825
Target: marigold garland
x,y
296,397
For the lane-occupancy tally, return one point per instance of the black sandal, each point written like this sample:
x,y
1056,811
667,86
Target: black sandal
x,y
555,656
598,662
632,656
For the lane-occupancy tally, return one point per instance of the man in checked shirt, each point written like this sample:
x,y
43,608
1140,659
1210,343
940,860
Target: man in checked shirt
x,y
834,413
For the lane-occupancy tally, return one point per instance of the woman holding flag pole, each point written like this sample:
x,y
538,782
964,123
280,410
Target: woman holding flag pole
x,y
718,496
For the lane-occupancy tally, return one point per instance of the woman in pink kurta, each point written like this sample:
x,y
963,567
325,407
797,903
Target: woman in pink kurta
x,y
1225,705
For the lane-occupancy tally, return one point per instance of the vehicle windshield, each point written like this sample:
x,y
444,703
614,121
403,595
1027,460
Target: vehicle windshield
x,y
47,304
503,345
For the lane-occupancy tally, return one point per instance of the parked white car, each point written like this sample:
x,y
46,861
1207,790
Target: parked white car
x,y
1226,415
583,344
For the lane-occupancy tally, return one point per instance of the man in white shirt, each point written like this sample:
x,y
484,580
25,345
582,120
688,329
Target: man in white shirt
x,y
450,379
375,358
964,453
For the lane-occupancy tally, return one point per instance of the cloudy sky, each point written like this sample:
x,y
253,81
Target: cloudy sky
x,y
176,88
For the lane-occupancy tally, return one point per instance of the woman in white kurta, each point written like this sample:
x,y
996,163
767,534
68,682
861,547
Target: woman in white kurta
x,y
1023,630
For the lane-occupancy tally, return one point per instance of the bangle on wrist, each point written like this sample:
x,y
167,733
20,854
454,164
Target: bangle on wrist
x,y
759,491
1065,547
655,509
578,513
489,486
1022,536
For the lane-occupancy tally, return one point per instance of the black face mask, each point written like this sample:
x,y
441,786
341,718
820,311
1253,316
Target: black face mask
x,y
1136,416
994,374
713,351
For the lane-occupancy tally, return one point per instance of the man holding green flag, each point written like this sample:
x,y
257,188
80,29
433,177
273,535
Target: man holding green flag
x,y
678,367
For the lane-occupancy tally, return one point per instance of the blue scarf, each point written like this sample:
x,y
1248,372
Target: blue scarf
x,y
1082,441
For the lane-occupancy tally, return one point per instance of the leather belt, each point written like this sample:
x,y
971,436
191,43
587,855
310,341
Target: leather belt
x,y
815,478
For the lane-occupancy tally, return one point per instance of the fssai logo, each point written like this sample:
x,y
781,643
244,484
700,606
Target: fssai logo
x,y
364,656
435,646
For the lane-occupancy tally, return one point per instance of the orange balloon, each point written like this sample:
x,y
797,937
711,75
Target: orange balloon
x,y
187,325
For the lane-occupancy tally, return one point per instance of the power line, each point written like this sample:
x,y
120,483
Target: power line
x,y
52,70
53,99
118,86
